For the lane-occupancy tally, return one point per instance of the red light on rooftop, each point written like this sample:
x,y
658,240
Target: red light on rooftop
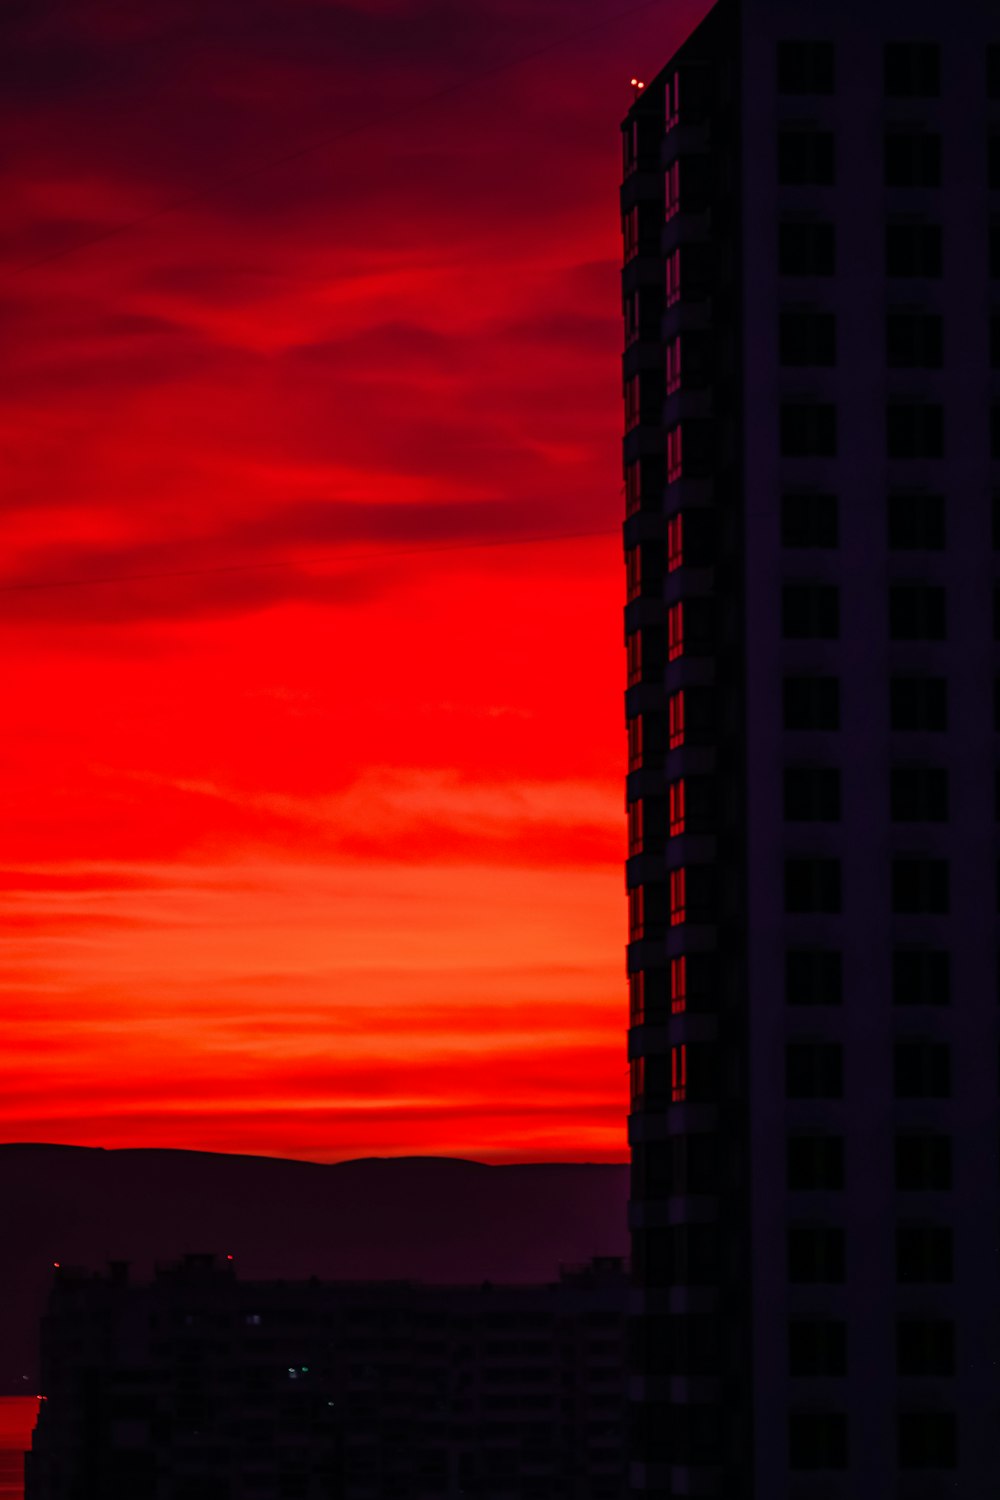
x,y
229,1257
56,1264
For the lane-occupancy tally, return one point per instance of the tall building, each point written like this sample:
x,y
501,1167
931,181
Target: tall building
x,y
811,292
201,1386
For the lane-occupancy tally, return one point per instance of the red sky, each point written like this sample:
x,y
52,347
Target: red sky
x,y
311,774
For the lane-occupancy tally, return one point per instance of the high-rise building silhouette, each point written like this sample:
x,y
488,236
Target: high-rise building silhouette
x,y
811,292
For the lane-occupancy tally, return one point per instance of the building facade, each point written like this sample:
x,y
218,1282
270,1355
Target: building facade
x,y
811,295
201,1386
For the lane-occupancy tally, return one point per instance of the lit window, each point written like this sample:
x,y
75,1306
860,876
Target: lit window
x,y
675,631
674,366
673,100
630,233
631,403
636,914
675,544
635,828
637,998
678,1073
672,189
677,801
674,452
678,897
633,488
673,278
634,744
633,651
675,720
678,985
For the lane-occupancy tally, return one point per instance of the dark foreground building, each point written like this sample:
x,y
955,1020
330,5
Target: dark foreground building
x,y
199,1386
811,290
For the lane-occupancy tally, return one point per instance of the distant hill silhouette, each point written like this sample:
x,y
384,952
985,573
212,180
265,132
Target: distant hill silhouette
x,y
421,1218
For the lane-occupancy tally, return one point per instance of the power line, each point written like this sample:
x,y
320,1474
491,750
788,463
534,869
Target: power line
x,y
232,179
363,555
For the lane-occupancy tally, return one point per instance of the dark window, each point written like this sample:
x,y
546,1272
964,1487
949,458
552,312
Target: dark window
x,y
817,1440
812,703
806,157
925,1347
993,71
806,67
919,886
812,794
814,1070
994,163
914,340
815,1254
812,885
923,1253
918,705
927,1440
917,612
921,976
817,1347
916,522
923,1163
912,70
810,611
922,1069
809,519
919,794
807,247
914,429
813,976
815,1163
912,159
808,429
807,337
914,249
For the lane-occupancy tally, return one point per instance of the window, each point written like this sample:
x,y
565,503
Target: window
x,y
923,1254
914,429
810,611
914,340
678,985
817,1347
914,249
637,998
630,233
673,278
636,914
811,703
633,658
807,337
813,976
812,885
675,631
675,543
809,519
807,247
674,366
921,976
994,163
925,1348
927,1439
912,159
812,794
630,309
918,705
630,147
817,1440
672,190
916,522
676,800
633,404
918,794
678,1073
672,94
634,815
806,157
919,886
917,612
815,1163
912,70
922,1069
806,67
633,488
815,1254
923,1163
675,443
678,897
808,429
814,1070
675,717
